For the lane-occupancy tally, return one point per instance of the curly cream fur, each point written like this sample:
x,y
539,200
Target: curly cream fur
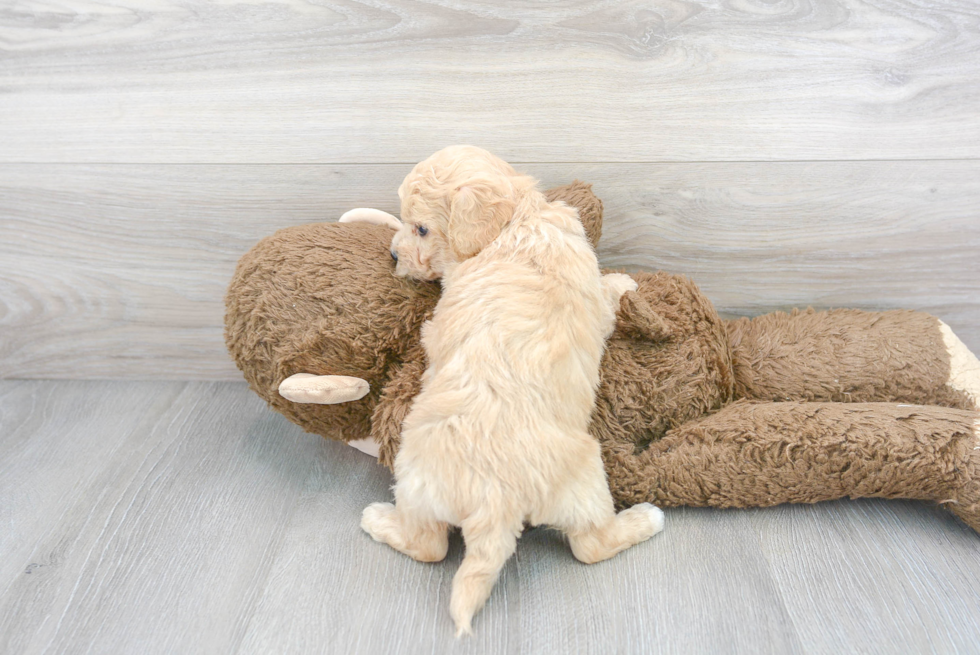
x,y
498,435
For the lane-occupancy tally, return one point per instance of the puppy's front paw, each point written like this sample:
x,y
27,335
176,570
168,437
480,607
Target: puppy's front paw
x,y
619,283
377,519
616,284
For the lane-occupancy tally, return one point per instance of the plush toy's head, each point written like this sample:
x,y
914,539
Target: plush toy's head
x,y
323,299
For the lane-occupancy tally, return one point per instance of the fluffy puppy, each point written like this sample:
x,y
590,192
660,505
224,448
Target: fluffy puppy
x,y
498,434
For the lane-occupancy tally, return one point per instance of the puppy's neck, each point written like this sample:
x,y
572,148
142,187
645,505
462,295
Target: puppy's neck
x,y
535,206
448,274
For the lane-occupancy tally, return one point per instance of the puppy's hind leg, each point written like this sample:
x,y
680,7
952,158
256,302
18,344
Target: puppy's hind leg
x,y
587,516
419,537
596,542
490,541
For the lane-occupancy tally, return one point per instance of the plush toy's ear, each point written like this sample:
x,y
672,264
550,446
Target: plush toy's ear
x,y
477,214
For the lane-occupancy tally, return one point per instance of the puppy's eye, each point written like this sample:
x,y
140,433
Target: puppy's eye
x,y
421,230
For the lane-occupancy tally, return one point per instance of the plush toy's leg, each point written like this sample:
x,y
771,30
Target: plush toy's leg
x,y
425,540
758,454
852,356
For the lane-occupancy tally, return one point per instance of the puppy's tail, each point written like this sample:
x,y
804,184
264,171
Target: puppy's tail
x,y
489,544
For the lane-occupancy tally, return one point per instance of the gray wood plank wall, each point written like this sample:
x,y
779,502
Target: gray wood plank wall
x,y
823,153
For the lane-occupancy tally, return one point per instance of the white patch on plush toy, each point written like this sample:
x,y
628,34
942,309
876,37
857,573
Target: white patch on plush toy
x,y
372,216
964,368
368,446
323,389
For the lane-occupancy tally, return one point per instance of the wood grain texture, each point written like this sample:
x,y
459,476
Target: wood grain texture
x,y
120,270
287,81
162,517
158,545
905,556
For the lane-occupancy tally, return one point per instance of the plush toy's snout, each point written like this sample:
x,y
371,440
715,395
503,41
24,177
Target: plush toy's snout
x,y
336,389
321,301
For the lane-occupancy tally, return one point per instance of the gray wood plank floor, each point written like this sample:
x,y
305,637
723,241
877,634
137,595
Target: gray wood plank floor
x,y
175,517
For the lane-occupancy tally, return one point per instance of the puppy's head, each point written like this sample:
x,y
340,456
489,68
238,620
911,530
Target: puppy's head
x,y
453,205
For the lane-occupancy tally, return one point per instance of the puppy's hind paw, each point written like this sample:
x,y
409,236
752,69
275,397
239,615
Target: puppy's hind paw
x,y
649,520
376,520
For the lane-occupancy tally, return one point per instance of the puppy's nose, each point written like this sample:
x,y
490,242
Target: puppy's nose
x,y
394,255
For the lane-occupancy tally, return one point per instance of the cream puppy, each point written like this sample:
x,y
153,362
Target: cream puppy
x,y
498,435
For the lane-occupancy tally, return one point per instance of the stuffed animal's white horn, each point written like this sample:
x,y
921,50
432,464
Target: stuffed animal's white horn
x,y
372,216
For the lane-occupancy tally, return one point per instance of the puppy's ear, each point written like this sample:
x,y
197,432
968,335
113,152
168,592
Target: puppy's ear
x,y
476,216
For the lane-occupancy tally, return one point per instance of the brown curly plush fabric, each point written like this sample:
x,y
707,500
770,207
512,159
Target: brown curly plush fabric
x,y
843,355
759,453
686,411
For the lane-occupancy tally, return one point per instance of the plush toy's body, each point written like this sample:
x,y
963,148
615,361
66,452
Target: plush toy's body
x,y
691,410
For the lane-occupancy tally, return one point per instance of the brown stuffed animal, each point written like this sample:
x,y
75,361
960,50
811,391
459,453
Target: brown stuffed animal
x,y
692,409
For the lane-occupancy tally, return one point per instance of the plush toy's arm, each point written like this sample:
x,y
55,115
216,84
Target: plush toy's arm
x,y
853,356
760,454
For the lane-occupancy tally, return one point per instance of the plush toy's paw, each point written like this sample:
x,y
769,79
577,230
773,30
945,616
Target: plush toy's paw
x,y
323,389
372,216
964,368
